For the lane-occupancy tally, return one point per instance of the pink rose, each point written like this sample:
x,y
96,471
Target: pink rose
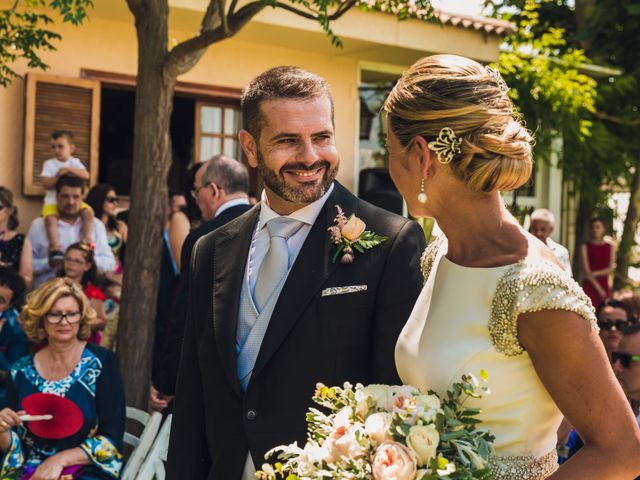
x,y
393,461
353,228
343,443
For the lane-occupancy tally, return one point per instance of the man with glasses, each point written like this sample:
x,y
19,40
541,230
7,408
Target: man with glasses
x,y
613,317
220,191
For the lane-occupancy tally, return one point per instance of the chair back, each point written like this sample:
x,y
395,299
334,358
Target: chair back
x,y
141,444
153,466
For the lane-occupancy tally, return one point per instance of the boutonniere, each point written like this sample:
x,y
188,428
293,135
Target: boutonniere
x,y
349,234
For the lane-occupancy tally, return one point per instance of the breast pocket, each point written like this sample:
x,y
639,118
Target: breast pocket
x,y
345,319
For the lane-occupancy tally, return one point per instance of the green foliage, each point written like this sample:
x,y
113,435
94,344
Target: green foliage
x,y
24,32
546,82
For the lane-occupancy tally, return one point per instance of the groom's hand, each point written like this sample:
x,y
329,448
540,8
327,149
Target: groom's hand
x,y
158,401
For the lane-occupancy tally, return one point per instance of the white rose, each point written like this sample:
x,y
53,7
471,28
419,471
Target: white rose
x,y
377,426
423,441
343,417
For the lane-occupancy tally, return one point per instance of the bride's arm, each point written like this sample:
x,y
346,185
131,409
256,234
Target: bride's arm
x,y
571,362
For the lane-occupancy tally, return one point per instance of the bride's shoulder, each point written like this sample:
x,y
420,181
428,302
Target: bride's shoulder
x,y
536,283
429,255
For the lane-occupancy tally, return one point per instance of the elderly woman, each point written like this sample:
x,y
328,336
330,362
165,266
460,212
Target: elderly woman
x,y
60,314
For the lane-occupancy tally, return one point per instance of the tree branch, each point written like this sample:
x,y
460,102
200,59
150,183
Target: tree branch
x,y
244,15
344,8
223,16
616,120
136,7
286,6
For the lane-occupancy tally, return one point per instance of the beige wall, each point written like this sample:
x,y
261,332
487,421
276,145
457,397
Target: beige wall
x,y
107,42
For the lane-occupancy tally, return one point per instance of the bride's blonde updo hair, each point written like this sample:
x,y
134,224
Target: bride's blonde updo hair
x,y
451,91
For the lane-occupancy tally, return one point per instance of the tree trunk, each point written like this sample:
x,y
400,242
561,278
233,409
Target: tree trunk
x,y
151,162
621,277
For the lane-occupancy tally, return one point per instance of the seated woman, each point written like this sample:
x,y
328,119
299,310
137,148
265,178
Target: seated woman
x,y
13,343
79,267
60,314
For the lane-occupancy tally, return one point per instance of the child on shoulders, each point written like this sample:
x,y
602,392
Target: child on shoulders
x,y
62,163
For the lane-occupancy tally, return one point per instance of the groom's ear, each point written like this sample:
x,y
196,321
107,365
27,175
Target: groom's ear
x,y
249,146
425,156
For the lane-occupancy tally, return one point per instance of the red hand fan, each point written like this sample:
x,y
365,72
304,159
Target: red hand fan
x,y
67,416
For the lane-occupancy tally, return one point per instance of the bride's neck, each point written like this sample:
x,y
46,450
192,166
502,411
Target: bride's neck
x,y
480,231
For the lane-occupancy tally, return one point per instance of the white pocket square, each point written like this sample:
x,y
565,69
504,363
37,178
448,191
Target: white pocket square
x,y
342,290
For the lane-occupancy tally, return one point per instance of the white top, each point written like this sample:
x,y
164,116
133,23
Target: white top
x,y
261,240
50,169
465,320
69,233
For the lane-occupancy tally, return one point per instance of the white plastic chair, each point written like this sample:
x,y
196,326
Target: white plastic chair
x,y
153,466
142,444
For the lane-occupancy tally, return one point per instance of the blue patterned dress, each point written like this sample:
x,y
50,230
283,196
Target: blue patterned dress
x,y
96,388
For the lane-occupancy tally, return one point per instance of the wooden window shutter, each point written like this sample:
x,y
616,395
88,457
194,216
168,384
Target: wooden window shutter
x,y
59,103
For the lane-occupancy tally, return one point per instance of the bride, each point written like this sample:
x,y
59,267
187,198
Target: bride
x,y
494,297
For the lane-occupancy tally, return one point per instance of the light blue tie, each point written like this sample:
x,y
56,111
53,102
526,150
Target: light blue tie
x,y
275,264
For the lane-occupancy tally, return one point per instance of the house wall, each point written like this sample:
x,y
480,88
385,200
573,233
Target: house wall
x,y
111,46
107,42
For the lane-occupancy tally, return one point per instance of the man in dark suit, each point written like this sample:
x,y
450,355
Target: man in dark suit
x,y
221,187
270,314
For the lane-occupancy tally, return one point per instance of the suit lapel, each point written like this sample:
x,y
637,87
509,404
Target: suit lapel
x,y
231,252
309,272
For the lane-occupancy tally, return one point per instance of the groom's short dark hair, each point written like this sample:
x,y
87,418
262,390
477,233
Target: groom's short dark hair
x,y
283,82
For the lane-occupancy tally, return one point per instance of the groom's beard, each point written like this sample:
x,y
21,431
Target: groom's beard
x,y
302,193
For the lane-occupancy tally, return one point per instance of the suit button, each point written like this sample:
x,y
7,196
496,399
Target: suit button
x,y
251,414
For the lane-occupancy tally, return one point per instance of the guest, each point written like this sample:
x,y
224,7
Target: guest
x,y
631,301
60,314
626,362
13,343
103,200
15,248
613,318
80,268
220,191
542,225
176,230
69,195
598,263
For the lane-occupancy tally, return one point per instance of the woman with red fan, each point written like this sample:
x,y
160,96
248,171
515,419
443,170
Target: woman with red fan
x,y
74,385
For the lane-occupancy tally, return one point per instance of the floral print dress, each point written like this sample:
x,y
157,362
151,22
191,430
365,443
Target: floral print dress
x,y
96,388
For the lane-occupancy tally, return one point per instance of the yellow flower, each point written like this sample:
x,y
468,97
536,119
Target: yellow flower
x,y
353,229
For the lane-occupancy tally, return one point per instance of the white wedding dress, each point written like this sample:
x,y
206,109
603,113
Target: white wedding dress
x,y
465,321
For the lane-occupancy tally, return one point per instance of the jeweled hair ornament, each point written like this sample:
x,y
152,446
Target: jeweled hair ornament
x,y
495,74
446,146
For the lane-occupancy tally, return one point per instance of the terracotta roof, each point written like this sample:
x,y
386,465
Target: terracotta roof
x,y
482,24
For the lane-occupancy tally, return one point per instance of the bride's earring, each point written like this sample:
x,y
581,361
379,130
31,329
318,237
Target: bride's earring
x,y
422,196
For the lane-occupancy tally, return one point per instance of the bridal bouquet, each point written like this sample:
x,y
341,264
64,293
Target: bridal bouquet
x,y
383,432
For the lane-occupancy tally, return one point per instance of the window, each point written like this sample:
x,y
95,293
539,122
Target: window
x,y
59,103
217,129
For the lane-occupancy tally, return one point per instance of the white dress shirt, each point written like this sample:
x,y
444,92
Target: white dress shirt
x,y
260,244
230,204
561,253
68,233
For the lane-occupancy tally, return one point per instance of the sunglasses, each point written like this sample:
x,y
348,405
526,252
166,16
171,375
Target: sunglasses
x,y
625,359
620,324
111,199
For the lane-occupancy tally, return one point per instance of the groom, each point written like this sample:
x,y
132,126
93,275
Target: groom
x,y
270,314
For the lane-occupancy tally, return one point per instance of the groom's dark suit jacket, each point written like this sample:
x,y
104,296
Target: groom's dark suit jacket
x,y
311,338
